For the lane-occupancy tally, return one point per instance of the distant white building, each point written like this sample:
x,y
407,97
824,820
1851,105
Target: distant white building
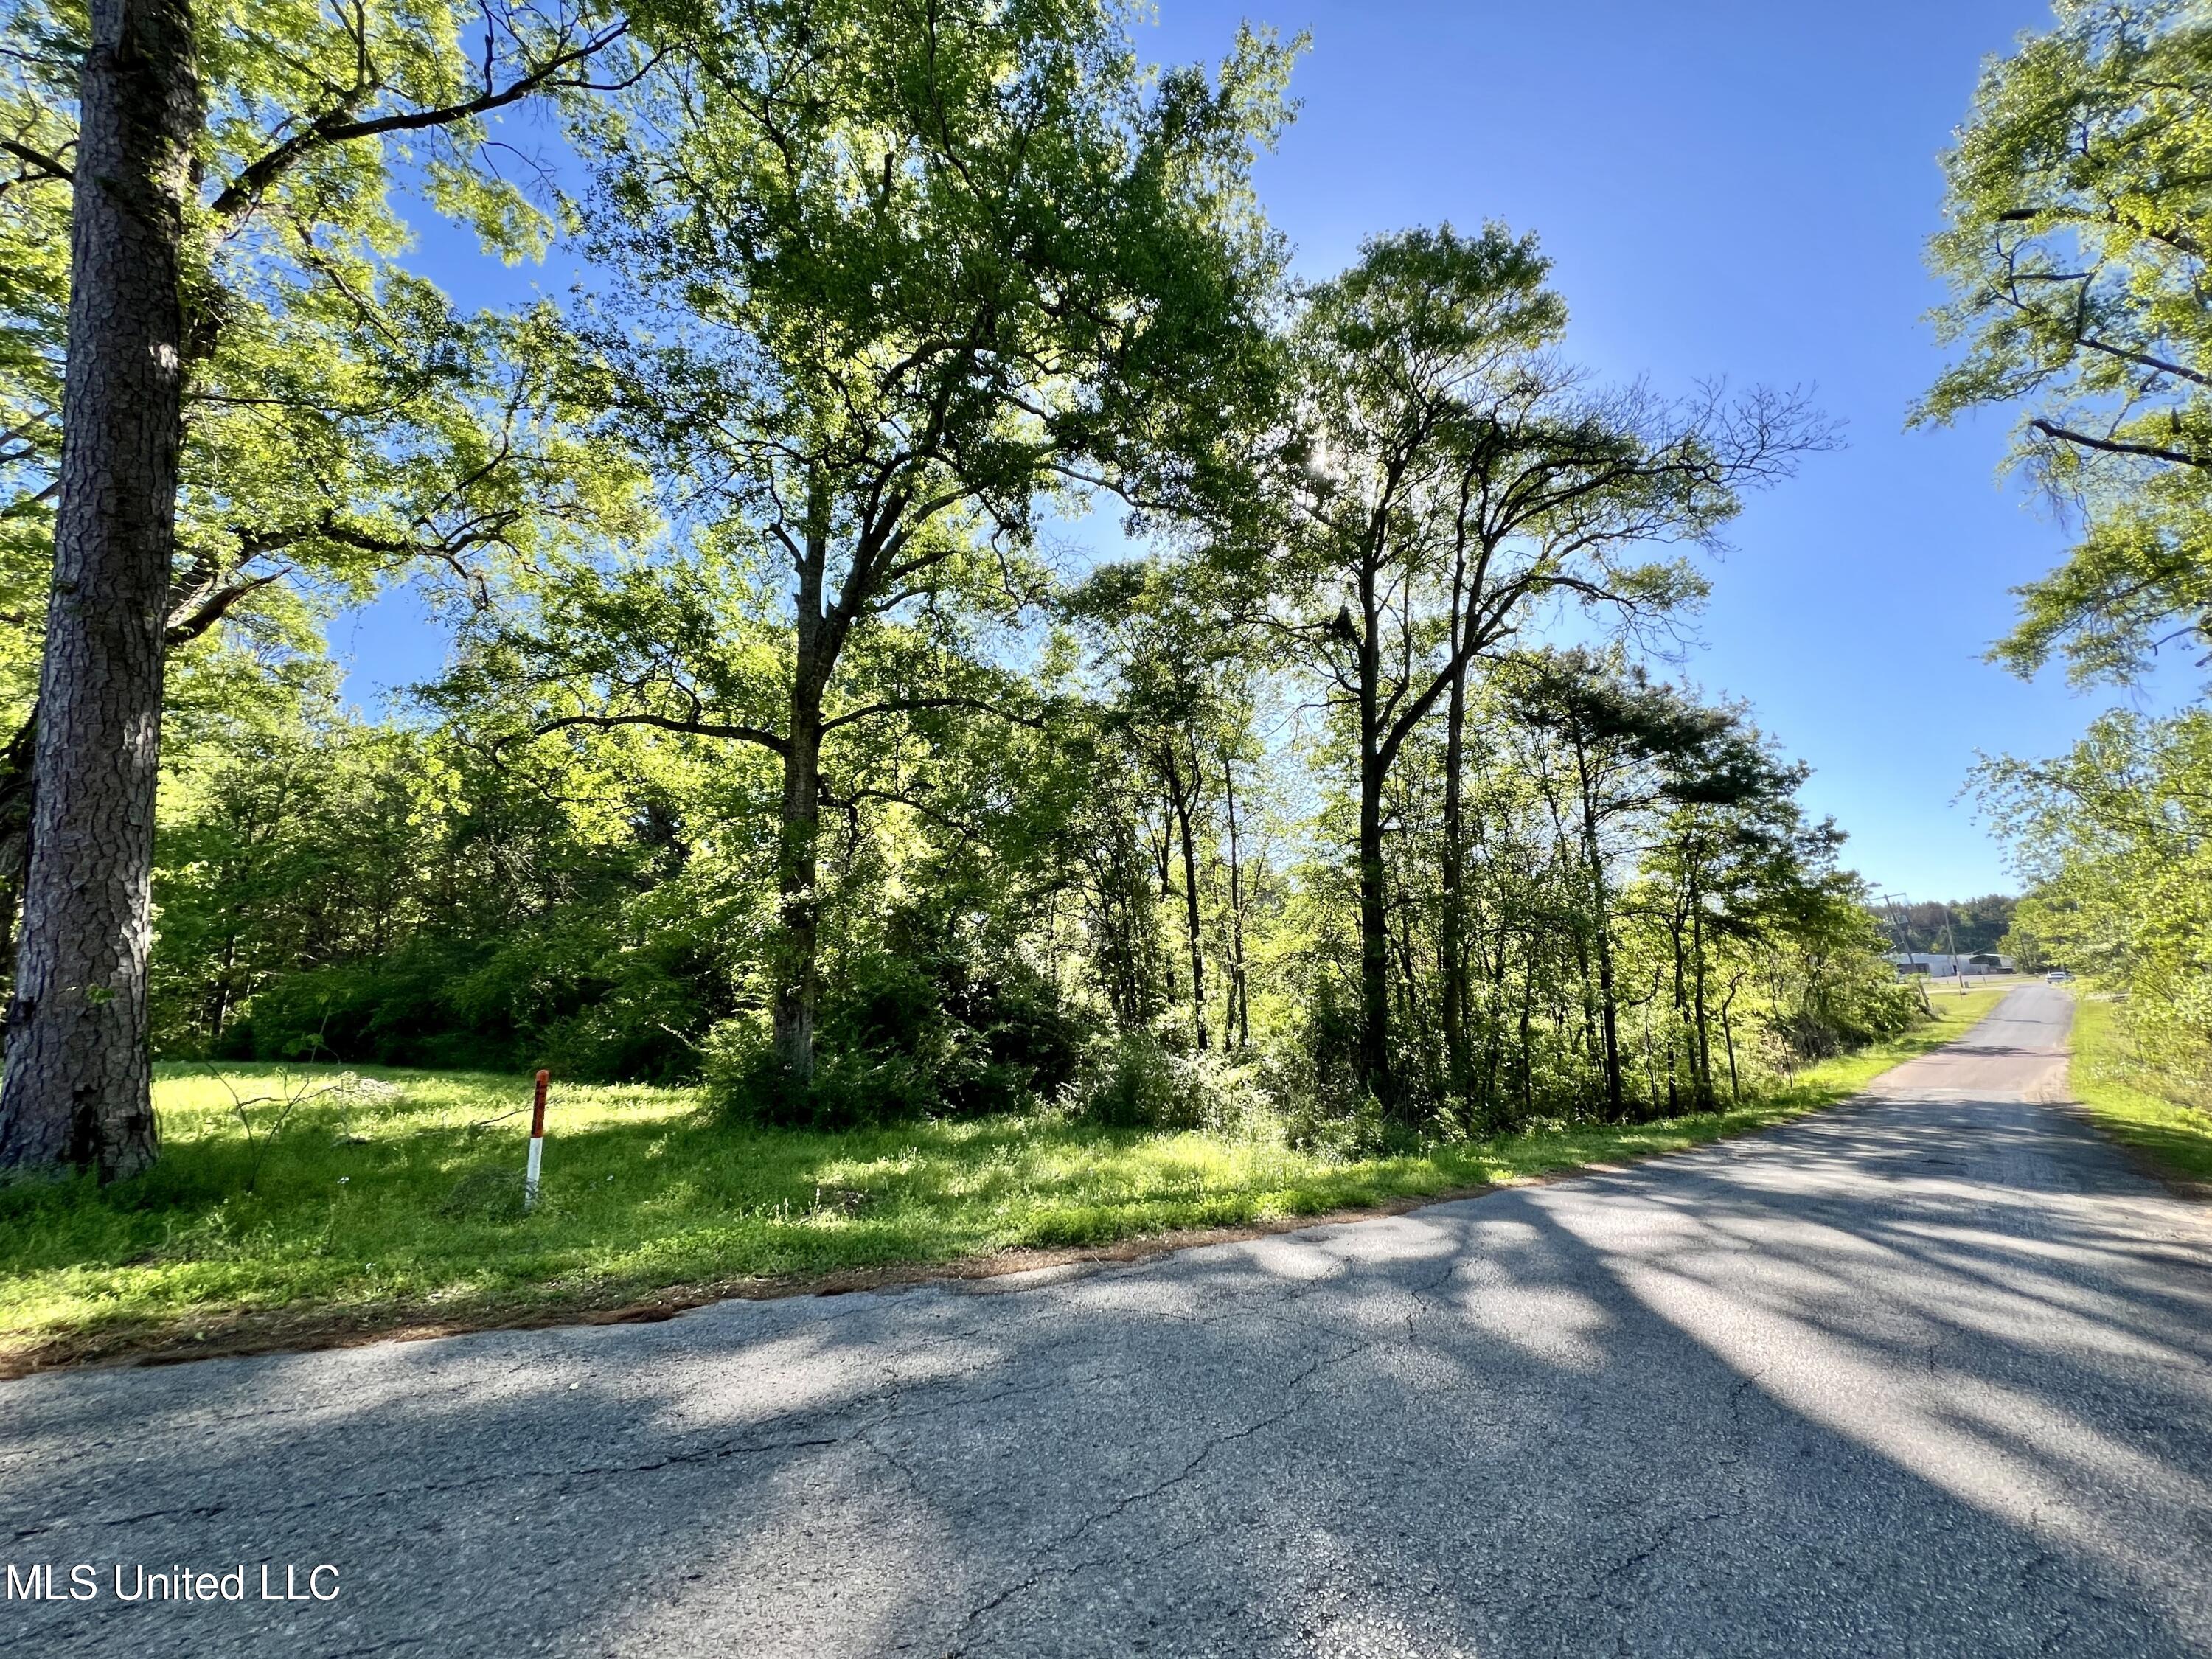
x,y
1937,965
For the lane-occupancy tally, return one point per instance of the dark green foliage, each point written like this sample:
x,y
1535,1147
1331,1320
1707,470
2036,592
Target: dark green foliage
x,y
1134,1085
353,894
576,1001
929,1022
1976,927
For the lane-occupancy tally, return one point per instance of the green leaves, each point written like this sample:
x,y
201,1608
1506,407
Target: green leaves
x,y
945,256
747,725
2116,836
345,423
2080,212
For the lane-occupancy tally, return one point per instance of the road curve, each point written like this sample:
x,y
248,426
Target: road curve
x,y
1931,1374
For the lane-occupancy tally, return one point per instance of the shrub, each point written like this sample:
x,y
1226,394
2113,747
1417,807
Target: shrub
x,y
925,1034
391,1011
1134,1080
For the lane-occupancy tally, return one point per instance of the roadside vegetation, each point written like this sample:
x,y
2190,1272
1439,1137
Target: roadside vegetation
x,y
388,1199
2136,1100
2079,250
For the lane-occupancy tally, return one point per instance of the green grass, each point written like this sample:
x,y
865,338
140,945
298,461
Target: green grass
x,y
400,1206
2128,1101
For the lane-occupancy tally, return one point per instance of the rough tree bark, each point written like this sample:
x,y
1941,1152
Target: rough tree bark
x,y
77,1085
798,984
15,835
1452,898
1601,938
1374,913
1181,803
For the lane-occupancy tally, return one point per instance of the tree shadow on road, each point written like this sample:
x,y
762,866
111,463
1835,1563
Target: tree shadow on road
x,y
1896,1380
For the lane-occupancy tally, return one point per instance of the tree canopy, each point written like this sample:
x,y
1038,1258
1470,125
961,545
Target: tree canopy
x,y
2078,213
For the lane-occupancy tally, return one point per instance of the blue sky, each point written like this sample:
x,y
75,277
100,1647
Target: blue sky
x,y
1730,187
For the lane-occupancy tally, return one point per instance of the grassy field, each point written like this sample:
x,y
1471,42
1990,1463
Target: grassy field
x,y
318,1210
2127,1101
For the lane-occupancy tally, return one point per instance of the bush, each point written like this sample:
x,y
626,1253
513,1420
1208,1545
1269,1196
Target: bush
x,y
924,1032
1844,1012
1359,1128
392,1011
570,996
1133,1081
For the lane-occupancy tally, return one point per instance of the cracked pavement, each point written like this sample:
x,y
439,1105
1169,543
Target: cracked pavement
x,y
1924,1375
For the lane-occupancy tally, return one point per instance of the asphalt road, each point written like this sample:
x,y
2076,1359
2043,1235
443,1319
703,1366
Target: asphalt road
x,y
1923,1376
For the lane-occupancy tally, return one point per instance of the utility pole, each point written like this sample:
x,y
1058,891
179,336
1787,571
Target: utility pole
x,y
1897,935
1904,937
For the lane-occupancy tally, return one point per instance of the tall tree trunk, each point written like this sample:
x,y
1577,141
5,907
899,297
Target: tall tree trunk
x,y
1493,1025
1163,849
1680,1028
1373,936
1728,1035
1701,1026
797,986
1650,1072
816,642
1410,1012
1592,1042
1374,913
78,1092
1459,1064
1527,1048
1237,1020
1179,794
1601,938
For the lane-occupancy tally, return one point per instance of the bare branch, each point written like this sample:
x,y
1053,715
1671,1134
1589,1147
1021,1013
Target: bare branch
x,y
692,728
908,705
2116,446
337,126
47,165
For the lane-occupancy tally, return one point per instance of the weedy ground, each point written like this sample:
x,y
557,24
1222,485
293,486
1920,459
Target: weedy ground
x,y
319,1204
2135,1105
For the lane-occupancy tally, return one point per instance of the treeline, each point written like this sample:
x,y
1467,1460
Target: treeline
x,y
1971,928
1137,896
778,746
2076,249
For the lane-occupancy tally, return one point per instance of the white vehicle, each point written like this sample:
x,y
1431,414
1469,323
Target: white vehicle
x,y
2058,976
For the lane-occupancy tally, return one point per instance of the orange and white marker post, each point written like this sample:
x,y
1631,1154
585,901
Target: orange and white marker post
x,y
536,1144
